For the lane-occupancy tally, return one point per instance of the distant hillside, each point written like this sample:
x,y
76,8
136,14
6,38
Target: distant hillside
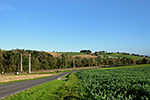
x,y
73,53
85,56
78,54
92,55
115,55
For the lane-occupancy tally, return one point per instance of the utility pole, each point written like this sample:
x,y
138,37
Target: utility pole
x,y
21,62
29,63
3,69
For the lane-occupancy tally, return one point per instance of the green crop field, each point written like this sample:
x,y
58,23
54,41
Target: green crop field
x,y
118,83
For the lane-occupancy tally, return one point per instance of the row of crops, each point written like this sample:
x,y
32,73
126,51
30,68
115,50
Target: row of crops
x,y
120,83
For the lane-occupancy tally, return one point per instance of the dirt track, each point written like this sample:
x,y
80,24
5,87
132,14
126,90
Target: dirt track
x,y
8,78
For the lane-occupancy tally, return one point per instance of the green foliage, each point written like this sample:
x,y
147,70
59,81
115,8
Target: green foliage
x,y
86,51
116,84
10,60
145,61
1,61
78,61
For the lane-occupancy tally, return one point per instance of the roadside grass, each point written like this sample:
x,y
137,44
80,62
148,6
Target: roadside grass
x,y
34,73
46,91
69,90
54,90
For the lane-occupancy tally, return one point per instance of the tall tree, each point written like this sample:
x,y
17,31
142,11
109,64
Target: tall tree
x,y
78,61
99,60
1,61
35,63
84,62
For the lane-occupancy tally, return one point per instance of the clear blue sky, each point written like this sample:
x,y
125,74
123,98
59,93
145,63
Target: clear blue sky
x,y
72,25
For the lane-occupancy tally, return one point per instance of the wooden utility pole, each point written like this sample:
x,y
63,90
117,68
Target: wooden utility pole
x,y
3,68
29,63
21,62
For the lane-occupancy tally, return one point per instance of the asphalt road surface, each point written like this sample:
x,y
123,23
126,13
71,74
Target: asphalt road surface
x,y
13,88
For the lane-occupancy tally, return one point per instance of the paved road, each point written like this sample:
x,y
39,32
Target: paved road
x,y
12,88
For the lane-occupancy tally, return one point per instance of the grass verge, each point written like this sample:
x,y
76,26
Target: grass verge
x,y
42,92
54,90
69,90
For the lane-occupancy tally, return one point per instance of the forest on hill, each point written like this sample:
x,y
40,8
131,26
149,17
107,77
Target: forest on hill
x,y
40,60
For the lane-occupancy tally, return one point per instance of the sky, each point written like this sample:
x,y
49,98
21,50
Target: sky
x,y
74,25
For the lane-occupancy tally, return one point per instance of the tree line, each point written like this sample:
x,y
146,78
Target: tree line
x,y
40,60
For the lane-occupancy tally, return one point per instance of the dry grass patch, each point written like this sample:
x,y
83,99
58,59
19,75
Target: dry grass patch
x,y
85,56
8,78
54,54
